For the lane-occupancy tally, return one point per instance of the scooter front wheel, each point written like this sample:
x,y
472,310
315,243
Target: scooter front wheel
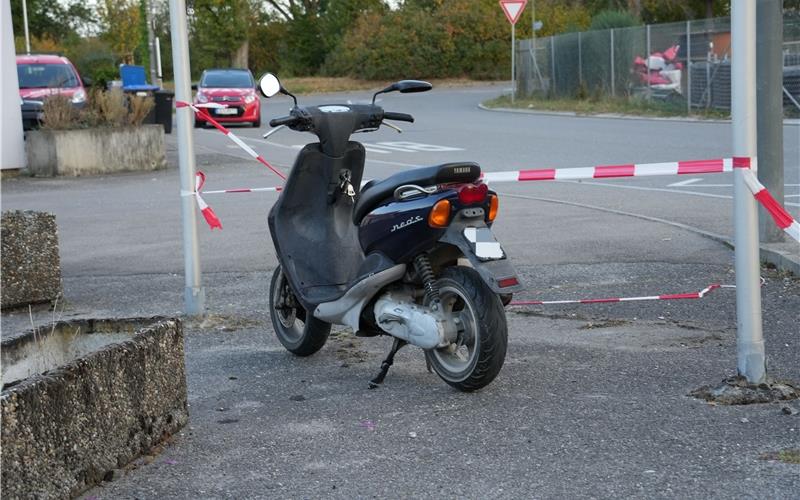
x,y
299,332
478,353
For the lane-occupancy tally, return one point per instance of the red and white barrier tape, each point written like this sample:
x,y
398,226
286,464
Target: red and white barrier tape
x,y
208,214
676,296
197,109
782,218
693,167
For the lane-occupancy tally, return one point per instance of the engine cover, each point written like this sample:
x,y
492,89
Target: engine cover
x,y
398,315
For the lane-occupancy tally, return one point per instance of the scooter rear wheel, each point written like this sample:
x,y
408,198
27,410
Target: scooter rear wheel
x,y
477,355
299,332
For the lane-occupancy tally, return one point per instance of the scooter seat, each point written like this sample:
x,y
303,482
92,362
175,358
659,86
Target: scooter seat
x,y
373,193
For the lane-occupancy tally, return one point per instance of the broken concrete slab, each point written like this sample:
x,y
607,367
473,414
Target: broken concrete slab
x,y
83,398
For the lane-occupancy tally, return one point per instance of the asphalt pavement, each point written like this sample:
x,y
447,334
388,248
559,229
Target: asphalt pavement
x,y
592,401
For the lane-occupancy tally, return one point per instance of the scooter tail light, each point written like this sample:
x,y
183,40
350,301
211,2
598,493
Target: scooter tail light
x,y
494,205
440,214
507,282
470,194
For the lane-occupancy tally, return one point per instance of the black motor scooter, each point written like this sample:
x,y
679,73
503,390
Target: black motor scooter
x,y
411,256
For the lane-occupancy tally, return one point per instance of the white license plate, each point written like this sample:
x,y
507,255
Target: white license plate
x,y
483,243
227,111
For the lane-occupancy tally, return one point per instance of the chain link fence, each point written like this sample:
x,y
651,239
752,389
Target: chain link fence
x,y
686,63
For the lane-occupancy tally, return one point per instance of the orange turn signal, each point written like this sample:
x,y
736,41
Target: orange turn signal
x,y
440,214
494,204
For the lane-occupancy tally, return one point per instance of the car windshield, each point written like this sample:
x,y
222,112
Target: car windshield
x,y
41,76
229,79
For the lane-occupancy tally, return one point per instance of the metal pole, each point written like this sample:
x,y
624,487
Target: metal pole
x,y
25,23
769,105
553,63
194,293
513,62
647,60
151,46
688,67
613,83
580,61
751,361
158,62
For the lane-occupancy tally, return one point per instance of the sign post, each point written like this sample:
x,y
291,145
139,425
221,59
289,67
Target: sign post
x,y
512,9
751,359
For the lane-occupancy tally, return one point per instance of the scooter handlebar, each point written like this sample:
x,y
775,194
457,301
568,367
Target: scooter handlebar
x,y
284,120
402,117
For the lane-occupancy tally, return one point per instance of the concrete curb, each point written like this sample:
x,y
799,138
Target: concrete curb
x,y
615,116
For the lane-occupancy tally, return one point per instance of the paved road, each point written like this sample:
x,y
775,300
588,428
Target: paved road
x,y
591,402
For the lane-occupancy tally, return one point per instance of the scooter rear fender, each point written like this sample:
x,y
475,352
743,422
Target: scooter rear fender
x,y
498,273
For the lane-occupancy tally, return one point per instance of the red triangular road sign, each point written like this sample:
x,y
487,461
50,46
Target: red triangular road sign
x,y
513,9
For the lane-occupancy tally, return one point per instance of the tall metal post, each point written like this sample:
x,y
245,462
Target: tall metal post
x,y
611,56
580,61
553,64
751,362
194,293
647,60
688,67
151,44
769,106
25,24
159,73
513,62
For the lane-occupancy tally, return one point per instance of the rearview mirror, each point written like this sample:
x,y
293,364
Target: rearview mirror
x,y
269,85
404,87
408,86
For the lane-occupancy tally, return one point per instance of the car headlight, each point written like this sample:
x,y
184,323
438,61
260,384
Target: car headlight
x,y
249,98
201,97
79,97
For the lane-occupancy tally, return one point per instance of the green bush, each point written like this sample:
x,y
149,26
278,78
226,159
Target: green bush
x,y
442,39
608,19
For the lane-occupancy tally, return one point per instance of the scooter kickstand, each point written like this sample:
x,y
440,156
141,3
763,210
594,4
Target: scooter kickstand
x,y
377,381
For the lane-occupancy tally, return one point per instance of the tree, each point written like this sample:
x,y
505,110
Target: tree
x,y
120,23
219,32
339,15
291,9
52,20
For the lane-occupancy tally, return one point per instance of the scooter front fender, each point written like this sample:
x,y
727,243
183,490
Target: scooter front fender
x,y
494,268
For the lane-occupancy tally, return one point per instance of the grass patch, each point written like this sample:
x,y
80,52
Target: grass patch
x,y
789,456
611,105
322,85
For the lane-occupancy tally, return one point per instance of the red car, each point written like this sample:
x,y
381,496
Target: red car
x,y
233,87
41,76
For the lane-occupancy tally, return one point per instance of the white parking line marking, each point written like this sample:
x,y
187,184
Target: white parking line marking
x,y
416,146
677,184
640,188
685,183
407,147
